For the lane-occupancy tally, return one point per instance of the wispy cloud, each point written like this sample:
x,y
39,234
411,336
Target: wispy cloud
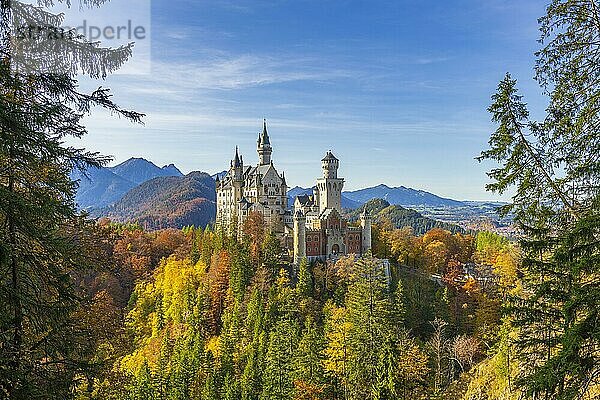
x,y
243,71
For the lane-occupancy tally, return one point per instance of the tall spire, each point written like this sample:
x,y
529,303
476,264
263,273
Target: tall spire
x,y
237,162
263,138
264,146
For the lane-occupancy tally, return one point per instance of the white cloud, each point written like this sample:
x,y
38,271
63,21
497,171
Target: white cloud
x,y
238,72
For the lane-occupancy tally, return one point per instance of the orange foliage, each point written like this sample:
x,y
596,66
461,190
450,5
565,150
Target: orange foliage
x,y
218,276
306,391
254,231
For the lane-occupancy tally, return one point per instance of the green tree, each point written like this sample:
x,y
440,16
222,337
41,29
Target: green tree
x,y
251,382
370,315
305,280
308,360
278,372
271,249
554,168
42,240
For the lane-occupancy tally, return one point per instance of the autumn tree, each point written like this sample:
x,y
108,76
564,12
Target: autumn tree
x,y
438,346
254,231
218,276
336,363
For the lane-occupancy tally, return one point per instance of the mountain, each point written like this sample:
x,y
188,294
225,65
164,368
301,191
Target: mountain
x,y
401,217
297,191
167,202
219,175
140,170
99,187
401,196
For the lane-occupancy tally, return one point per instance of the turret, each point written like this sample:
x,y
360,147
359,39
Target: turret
x,y
330,165
299,236
329,187
263,146
238,166
365,223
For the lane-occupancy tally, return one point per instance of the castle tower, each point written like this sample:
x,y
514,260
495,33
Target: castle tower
x,y
365,223
238,176
299,237
263,146
330,187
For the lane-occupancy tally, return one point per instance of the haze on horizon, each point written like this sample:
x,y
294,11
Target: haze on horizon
x,y
397,89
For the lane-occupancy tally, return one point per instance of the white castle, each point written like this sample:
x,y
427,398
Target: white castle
x,y
315,228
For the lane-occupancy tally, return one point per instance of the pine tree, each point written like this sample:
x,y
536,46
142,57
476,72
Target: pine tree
x,y
278,373
254,350
308,361
305,280
554,168
271,250
370,316
42,240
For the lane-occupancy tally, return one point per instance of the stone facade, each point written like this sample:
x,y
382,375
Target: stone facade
x,y
247,188
315,228
327,233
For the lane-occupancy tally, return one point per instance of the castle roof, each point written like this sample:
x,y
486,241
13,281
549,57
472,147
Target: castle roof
x,y
305,200
263,137
250,174
237,161
329,157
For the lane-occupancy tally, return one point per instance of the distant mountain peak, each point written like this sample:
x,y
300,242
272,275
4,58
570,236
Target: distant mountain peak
x,y
171,167
140,170
403,196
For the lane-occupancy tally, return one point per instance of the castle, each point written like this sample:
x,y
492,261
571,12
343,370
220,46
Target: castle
x,y
315,228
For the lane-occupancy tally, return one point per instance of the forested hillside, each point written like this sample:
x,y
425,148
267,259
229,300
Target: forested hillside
x,y
400,217
100,186
98,309
212,317
167,202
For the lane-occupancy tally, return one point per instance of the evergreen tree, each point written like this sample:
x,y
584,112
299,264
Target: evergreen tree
x,y
305,280
42,242
370,316
255,342
271,250
308,361
554,168
278,373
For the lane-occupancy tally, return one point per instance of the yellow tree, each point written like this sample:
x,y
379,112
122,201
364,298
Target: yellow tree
x,y
337,332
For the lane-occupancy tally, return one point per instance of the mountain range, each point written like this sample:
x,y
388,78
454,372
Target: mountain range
x,y
403,196
137,189
100,187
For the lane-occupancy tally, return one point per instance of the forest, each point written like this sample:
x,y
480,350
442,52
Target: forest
x,y
92,309
197,314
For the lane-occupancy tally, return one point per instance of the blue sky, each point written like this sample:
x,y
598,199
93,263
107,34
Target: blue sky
x,y
397,89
